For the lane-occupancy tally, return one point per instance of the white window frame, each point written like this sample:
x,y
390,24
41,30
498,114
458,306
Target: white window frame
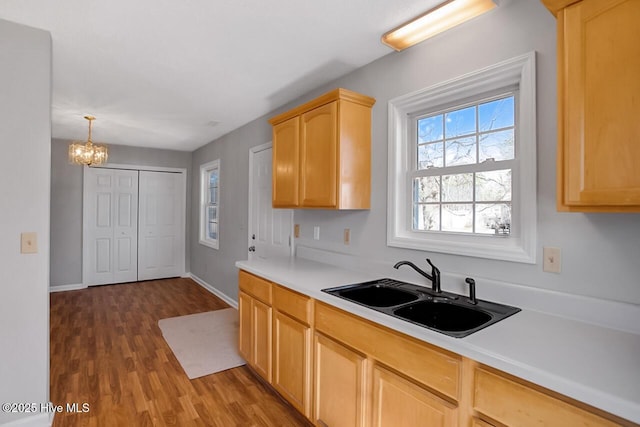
x,y
520,246
205,173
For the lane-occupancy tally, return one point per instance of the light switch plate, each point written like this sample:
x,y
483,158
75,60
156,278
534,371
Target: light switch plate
x,y
29,242
347,236
552,259
316,232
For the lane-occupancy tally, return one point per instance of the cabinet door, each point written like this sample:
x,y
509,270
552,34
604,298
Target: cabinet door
x,y
599,65
286,163
244,339
398,402
291,361
339,384
318,156
261,349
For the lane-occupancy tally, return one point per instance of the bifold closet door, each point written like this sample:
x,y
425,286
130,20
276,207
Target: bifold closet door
x,y
110,226
161,242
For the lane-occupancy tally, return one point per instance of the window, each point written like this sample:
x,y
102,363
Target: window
x,y
210,203
462,165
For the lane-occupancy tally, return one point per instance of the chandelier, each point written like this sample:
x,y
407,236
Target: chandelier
x,y
87,153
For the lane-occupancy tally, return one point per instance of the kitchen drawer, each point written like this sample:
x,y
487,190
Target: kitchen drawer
x,y
435,368
255,286
292,303
517,404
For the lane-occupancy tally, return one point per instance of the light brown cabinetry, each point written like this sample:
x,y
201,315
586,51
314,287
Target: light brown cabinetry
x,y
322,153
254,306
339,384
515,403
598,109
400,402
405,382
292,347
286,163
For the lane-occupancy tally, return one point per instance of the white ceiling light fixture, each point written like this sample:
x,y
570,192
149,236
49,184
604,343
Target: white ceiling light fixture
x,y
437,20
87,153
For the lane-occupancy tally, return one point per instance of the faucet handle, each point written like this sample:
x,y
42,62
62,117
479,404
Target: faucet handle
x,y
435,277
472,290
434,269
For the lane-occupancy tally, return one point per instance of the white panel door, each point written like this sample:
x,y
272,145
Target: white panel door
x,y
161,230
270,229
110,226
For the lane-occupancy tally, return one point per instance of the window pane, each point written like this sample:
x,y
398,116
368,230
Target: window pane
x,y
496,114
426,189
497,145
493,186
426,217
461,151
458,217
457,188
212,230
212,213
213,195
430,155
430,129
493,218
460,122
213,178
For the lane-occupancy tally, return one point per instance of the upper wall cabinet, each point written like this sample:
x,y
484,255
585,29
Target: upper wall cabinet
x,y
598,105
322,153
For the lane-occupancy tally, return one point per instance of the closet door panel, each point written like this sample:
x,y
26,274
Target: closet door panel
x,y
161,227
110,226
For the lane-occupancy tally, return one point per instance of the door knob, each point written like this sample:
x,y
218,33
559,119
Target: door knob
x,y
252,248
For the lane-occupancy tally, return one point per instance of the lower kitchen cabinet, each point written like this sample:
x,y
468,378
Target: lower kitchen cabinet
x,y
339,384
245,340
400,402
292,320
261,317
255,323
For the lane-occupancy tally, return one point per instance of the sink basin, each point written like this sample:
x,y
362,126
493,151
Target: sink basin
x,y
378,295
444,312
442,315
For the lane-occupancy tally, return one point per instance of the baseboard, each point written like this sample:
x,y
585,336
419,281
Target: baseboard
x,y
233,303
39,420
63,288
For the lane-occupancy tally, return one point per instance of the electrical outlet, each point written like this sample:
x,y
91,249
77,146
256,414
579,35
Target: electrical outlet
x,y
552,260
316,232
347,236
29,243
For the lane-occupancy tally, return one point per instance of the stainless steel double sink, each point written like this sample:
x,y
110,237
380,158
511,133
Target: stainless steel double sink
x,y
444,312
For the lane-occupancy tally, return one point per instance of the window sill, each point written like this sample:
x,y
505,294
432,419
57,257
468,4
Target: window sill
x,y
209,243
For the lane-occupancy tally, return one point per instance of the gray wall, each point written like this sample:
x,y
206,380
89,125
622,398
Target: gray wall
x,y
25,88
66,202
599,251
217,266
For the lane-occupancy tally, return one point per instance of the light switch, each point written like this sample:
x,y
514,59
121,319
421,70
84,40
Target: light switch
x,y
347,236
296,230
316,232
552,259
29,242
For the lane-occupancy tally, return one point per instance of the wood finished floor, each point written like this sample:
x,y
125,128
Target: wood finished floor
x,y
107,351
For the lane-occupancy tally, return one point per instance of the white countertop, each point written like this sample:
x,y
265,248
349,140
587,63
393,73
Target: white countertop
x,y
597,365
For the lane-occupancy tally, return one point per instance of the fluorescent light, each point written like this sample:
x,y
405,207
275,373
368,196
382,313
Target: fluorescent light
x,y
439,19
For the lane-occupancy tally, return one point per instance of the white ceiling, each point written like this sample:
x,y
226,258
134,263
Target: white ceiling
x,y
179,74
